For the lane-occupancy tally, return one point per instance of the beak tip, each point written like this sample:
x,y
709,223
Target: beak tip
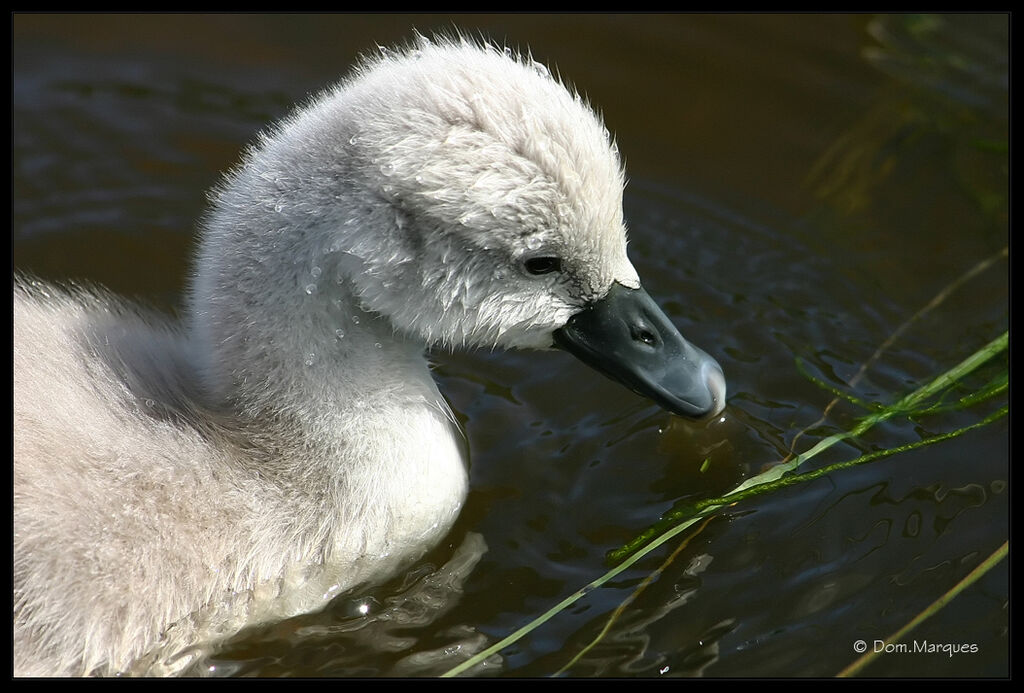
x,y
714,378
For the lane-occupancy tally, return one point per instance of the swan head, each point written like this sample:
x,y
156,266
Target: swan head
x,y
464,194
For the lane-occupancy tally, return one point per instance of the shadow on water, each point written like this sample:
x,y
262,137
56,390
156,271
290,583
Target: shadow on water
x,y
799,188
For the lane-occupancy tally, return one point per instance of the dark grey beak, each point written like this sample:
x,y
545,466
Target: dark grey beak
x,y
627,337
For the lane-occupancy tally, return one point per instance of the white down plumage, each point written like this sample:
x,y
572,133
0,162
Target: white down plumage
x,y
175,483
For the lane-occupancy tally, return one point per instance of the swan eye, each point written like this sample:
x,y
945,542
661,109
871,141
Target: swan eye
x,y
543,265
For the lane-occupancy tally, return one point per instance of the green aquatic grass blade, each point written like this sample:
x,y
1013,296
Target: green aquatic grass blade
x,y
869,406
994,388
863,459
708,505
705,509
621,608
565,603
937,300
869,655
902,407
767,480
950,377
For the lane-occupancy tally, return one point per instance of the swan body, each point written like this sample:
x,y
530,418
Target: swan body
x,y
176,482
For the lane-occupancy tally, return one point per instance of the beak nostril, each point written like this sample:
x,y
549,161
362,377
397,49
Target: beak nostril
x,y
646,336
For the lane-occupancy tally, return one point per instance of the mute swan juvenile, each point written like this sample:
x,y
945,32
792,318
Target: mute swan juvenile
x,y
173,484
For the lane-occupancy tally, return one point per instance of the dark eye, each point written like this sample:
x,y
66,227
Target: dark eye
x,y
543,265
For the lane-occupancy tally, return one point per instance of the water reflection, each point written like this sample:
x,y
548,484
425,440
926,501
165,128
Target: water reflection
x,y
362,628
951,94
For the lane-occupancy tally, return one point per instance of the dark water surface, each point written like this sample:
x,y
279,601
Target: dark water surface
x,y
800,186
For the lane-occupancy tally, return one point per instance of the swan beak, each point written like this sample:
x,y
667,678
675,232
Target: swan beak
x,y
626,336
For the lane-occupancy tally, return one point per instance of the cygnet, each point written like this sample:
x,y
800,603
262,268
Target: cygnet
x,y
175,482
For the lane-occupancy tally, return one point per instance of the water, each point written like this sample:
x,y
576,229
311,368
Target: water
x,y
800,186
